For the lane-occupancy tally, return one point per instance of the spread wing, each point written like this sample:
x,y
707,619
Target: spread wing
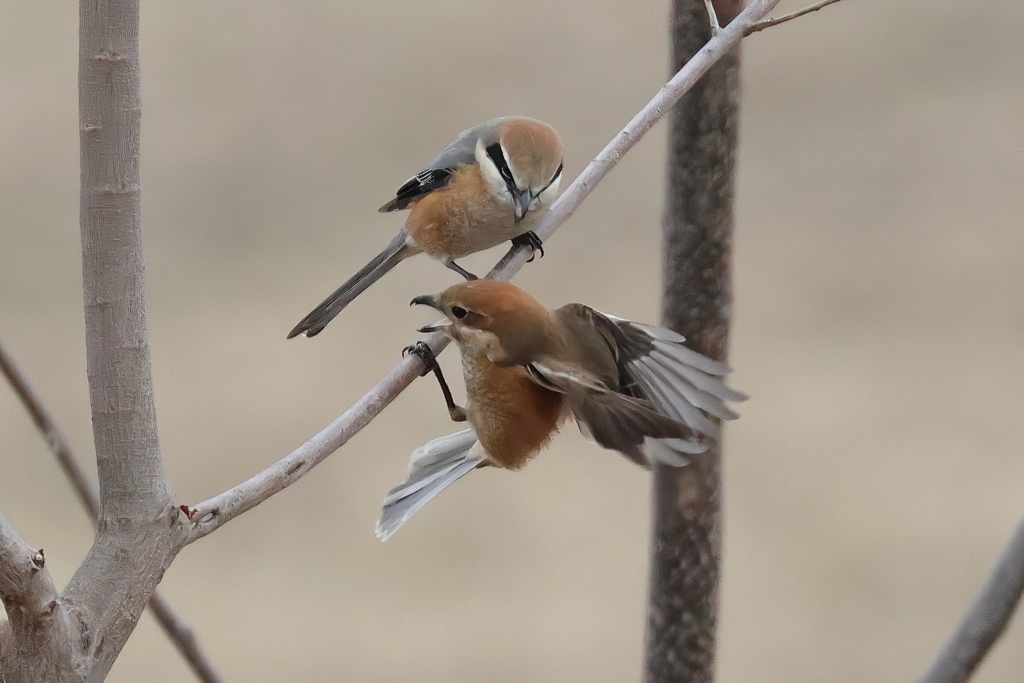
x,y
654,369
438,172
613,420
683,384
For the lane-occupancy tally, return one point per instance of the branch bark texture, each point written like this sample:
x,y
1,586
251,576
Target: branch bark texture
x,y
775,21
986,619
697,296
34,622
113,274
139,532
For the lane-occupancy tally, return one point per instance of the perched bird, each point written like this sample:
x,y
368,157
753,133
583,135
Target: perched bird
x,y
631,388
483,189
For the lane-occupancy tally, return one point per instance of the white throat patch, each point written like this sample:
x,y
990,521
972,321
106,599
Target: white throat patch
x,y
491,175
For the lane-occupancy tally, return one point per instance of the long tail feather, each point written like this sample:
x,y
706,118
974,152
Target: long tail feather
x,y
432,468
317,320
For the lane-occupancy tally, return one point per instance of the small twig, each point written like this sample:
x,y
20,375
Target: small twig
x,y
213,513
713,17
180,634
986,619
768,23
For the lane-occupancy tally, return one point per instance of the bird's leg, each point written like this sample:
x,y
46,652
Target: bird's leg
x,y
425,354
449,262
531,240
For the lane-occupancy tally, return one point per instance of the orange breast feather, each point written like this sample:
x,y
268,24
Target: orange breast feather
x,y
459,219
513,417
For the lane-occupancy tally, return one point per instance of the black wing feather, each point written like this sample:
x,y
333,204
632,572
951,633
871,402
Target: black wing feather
x,y
439,172
423,183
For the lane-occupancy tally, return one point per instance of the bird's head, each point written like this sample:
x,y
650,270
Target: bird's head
x,y
521,161
493,318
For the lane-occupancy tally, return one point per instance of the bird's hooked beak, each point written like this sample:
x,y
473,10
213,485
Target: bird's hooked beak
x,y
521,201
429,300
424,300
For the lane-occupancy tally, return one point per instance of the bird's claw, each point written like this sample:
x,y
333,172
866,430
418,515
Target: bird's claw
x,y
423,351
531,240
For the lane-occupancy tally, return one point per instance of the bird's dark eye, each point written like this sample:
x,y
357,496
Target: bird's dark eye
x,y
459,312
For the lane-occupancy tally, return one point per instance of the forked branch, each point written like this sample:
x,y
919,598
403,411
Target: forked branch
x,y
177,630
768,23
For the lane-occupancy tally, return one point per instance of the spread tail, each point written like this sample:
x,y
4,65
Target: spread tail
x,y
318,318
431,469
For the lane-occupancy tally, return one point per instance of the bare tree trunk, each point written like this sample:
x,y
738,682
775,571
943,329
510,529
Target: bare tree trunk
x,y
697,240
138,529
77,635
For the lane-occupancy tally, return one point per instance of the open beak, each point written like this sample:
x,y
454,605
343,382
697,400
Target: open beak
x,y
424,300
435,327
521,203
429,300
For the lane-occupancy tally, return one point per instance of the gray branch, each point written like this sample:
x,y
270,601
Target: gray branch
x,y
768,23
177,630
131,475
139,532
986,619
211,514
34,623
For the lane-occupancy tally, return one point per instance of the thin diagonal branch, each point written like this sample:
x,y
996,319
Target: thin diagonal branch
x,y
211,514
768,23
53,435
184,639
177,630
986,619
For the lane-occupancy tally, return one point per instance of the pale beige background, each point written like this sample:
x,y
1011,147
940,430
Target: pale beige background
x,y
875,473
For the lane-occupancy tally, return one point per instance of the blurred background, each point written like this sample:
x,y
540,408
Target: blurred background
x,y
879,263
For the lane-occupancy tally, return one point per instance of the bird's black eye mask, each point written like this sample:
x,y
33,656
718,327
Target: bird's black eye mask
x,y
498,157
